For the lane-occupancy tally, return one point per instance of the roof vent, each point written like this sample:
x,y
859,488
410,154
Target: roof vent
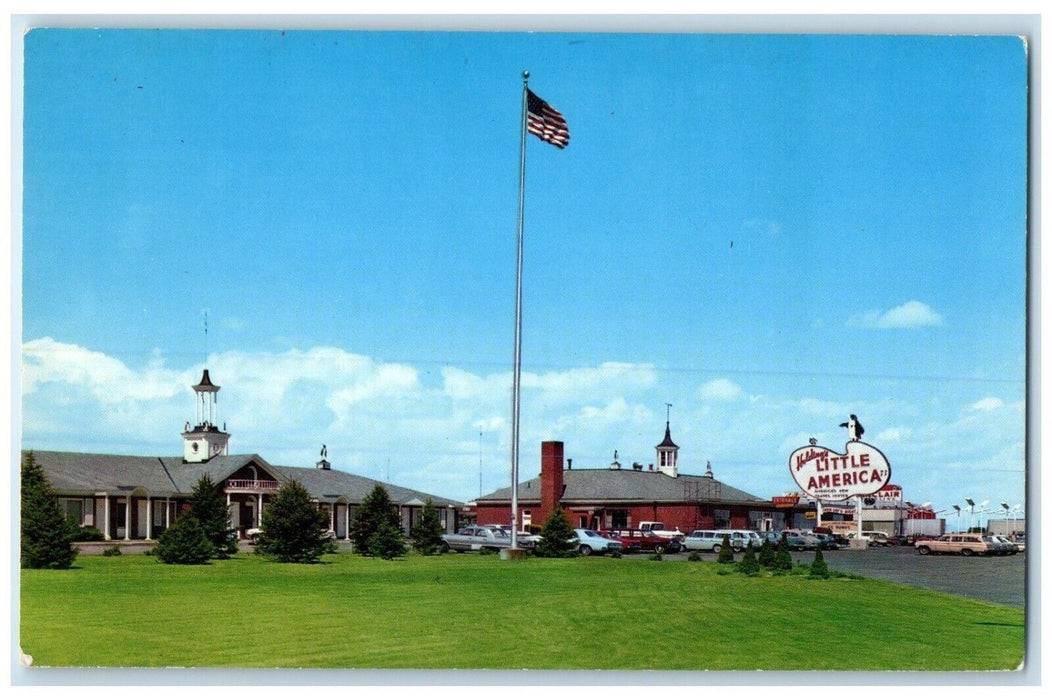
x,y
637,466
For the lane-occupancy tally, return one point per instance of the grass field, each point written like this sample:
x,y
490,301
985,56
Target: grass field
x,y
465,611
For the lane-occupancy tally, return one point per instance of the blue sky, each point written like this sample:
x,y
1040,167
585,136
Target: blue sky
x,y
767,232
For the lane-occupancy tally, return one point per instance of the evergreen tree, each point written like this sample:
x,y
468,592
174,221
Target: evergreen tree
x,y
293,527
783,559
185,542
387,542
427,532
726,555
212,514
819,569
766,555
556,536
47,535
376,509
749,565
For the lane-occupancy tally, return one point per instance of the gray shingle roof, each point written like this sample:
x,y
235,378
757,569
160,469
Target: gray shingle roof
x,y
628,485
73,473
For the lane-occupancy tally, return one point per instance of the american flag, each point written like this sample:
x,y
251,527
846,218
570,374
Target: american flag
x,y
545,122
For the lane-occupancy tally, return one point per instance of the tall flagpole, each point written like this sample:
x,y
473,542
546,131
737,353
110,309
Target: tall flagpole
x,y
518,332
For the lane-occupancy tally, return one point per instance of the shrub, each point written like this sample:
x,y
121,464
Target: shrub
x,y
694,556
556,536
387,542
783,559
293,526
185,542
46,534
376,509
89,534
113,551
656,556
766,555
819,569
726,555
616,554
427,532
749,564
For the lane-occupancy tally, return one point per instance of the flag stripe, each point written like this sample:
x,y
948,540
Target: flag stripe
x,y
545,122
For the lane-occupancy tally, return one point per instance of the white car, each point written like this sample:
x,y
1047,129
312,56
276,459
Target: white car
x,y
589,541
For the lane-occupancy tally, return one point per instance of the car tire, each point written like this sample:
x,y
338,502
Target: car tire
x,y
585,550
659,549
966,552
923,550
716,549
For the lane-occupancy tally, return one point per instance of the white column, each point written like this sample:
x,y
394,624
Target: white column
x,y
167,513
347,530
127,517
259,512
106,516
149,518
332,518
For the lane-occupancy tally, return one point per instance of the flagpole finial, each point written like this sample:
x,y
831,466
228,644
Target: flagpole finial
x,y
525,75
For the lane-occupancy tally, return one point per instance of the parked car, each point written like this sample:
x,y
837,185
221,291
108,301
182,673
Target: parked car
x,y
800,540
633,540
712,541
589,541
474,538
253,533
1020,541
965,544
1003,545
877,538
525,540
825,541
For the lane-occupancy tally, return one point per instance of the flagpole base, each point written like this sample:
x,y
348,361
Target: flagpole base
x,y
510,554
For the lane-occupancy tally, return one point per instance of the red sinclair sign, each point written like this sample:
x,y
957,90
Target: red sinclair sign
x,y
830,476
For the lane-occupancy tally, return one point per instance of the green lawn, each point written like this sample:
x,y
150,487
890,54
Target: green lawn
x,y
466,611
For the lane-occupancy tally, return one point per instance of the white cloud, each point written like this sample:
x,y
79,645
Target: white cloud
x,y
990,403
912,314
721,390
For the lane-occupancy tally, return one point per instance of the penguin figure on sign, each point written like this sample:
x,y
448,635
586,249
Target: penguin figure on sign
x,y
854,428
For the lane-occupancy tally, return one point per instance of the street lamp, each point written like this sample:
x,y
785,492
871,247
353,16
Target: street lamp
x,y
958,509
971,512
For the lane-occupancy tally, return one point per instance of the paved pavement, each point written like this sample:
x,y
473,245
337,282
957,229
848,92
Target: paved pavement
x,y
994,579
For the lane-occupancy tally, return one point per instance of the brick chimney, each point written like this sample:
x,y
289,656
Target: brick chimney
x,y
551,476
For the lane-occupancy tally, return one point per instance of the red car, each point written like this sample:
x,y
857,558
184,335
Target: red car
x,y
641,541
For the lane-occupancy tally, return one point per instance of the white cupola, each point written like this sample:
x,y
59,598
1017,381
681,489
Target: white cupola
x,y
204,440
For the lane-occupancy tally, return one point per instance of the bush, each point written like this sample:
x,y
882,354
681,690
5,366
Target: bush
x,y
113,551
556,536
656,556
293,527
185,542
783,559
376,510
726,555
46,534
387,543
89,534
427,532
819,569
694,556
766,555
749,564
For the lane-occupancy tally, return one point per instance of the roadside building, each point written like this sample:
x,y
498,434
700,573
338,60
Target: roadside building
x,y
138,497
617,497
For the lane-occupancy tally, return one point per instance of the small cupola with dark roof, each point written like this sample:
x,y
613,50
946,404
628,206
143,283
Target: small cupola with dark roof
x,y
205,440
668,454
708,471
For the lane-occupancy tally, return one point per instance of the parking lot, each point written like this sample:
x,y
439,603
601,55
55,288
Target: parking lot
x,y
994,579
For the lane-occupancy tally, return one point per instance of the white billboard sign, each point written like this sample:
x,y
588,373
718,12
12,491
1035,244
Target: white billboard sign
x,y
831,476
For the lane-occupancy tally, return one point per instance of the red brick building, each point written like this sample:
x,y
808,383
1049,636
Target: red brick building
x,y
616,497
